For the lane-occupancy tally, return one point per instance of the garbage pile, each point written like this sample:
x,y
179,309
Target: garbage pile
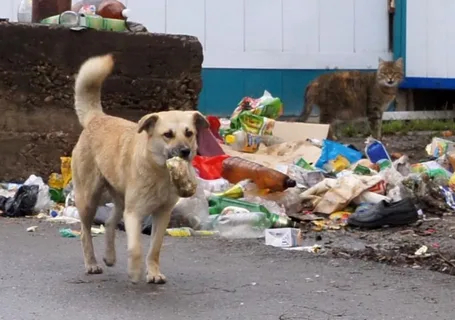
x,y
107,15
254,181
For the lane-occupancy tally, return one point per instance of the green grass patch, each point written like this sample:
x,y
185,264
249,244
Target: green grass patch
x,y
397,127
400,126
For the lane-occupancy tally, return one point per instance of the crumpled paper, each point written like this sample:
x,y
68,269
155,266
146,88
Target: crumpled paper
x,y
335,194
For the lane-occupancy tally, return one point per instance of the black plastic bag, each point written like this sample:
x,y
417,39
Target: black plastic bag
x,y
21,204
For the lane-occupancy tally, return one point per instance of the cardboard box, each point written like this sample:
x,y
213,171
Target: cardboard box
x,y
282,237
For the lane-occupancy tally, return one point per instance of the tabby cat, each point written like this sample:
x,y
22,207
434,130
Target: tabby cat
x,y
350,95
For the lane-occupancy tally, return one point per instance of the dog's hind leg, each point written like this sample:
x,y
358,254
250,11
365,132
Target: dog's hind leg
x,y
87,194
111,225
160,221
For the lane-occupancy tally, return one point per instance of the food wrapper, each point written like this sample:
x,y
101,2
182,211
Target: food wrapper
x,y
256,116
182,176
440,147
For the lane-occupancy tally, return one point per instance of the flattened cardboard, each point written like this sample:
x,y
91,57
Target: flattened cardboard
x,y
284,153
295,147
298,131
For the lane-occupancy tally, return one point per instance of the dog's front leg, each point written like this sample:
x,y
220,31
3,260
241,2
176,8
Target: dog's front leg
x,y
133,235
160,221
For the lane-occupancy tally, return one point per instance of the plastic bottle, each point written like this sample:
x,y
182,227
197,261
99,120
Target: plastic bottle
x,y
218,204
243,141
235,192
71,212
85,5
376,151
242,225
270,140
216,185
236,169
24,11
111,9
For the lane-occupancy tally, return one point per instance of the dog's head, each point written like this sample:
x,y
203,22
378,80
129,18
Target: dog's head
x,y
172,134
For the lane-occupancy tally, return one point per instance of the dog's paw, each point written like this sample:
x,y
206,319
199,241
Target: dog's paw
x,y
157,278
109,261
135,275
93,269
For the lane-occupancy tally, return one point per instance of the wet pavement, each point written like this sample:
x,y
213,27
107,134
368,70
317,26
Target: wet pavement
x,y
42,278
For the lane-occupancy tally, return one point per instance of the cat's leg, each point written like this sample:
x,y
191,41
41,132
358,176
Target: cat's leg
x,y
375,121
326,118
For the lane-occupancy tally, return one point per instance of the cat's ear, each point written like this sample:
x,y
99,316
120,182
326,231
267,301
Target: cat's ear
x,y
380,61
399,63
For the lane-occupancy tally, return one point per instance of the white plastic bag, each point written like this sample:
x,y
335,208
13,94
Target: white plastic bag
x,y
43,201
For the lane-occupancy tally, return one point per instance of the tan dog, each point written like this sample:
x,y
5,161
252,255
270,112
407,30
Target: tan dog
x,y
128,160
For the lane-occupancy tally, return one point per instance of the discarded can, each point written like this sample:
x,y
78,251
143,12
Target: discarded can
x,y
384,164
361,170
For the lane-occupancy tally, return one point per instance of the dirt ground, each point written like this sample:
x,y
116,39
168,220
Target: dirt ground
x,y
412,144
397,246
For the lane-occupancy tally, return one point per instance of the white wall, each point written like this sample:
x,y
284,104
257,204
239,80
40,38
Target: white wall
x,y
430,38
281,34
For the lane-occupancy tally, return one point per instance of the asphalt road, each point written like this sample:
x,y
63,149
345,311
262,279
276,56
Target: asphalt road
x,y
42,277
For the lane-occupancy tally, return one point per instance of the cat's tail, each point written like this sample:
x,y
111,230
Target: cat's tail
x,y
308,105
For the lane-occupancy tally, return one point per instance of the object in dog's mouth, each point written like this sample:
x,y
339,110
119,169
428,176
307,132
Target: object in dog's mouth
x,y
182,176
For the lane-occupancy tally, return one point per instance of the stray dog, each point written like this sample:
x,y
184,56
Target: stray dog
x,y
128,160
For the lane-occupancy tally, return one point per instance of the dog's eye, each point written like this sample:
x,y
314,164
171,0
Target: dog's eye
x,y
188,133
168,134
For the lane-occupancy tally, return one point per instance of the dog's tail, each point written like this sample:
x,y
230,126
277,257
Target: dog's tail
x,y
87,91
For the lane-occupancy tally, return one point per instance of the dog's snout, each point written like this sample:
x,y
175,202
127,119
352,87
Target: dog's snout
x,y
184,153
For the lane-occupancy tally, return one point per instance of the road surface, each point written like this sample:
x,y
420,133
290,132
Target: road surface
x,y
41,277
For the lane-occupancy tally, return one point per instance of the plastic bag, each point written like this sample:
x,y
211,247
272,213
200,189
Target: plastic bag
x,y
214,186
265,106
65,168
190,212
256,116
209,168
22,203
43,202
194,210
331,150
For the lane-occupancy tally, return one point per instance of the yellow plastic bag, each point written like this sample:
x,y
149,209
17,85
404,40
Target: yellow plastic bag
x,y
65,167
55,181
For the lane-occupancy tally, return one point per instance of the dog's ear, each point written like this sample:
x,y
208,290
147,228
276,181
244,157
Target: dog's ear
x,y
147,122
200,122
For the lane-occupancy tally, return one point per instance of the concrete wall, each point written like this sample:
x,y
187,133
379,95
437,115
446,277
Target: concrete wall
x,y
278,45
153,72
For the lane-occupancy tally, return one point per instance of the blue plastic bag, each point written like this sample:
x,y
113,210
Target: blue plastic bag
x,y
331,149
